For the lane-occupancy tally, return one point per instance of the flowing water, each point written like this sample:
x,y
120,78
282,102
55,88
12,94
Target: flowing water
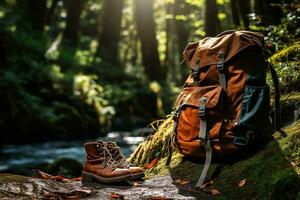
x,y
23,158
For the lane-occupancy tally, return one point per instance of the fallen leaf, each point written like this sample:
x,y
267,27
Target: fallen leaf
x,y
76,179
44,175
207,184
151,164
182,181
114,195
135,184
59,179
41,174
242,182
215,192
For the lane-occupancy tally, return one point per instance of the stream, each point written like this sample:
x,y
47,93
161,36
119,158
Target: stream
x,y
21,159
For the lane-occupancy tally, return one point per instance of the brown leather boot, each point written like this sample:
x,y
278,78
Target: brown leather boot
x,y
100,165
121,159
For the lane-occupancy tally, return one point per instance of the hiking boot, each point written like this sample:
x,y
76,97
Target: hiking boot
x,y
119,157
100,166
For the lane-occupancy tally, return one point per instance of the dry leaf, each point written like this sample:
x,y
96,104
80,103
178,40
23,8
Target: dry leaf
x,y
44,175
242,182
207,184
76,179
182,181
215,192
114,195
151,164
135,184
41,174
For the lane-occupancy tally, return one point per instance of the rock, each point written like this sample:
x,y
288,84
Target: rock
x,y
21,187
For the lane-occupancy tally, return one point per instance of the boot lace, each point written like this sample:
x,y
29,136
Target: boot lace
x,y
107,158
117,153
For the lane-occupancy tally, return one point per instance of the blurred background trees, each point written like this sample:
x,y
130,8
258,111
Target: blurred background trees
x,y
79,68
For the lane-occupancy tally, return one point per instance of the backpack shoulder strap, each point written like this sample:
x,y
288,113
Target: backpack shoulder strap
x,y
277,113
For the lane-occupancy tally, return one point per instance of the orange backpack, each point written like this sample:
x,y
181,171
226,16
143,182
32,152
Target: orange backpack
x,y
224,106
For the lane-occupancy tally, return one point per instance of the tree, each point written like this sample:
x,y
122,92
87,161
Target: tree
x,y
269,10
169,61
51,11
244,6
182,8
212,23
37,11
235,12
146,31
72,30
110,34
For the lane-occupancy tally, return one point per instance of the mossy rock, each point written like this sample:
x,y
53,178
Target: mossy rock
x,y
287,65
290,107
272,173
287,54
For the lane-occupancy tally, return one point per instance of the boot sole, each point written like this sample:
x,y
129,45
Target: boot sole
x,y
137,176
88,177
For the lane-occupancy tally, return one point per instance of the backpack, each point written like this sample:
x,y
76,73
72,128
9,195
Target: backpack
x,y
223,109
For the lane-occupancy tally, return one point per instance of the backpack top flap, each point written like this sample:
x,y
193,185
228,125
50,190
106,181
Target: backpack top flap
x,y
230,43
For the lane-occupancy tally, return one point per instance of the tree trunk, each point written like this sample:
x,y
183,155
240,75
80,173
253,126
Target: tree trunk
x,y
37,11
72,30
245,9
169,61
146,31
183,33
51,11
110,34
271,12
235,13
212,23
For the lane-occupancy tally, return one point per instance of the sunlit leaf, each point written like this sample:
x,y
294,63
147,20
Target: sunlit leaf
x,y
114,195
151,164
242,182
215,192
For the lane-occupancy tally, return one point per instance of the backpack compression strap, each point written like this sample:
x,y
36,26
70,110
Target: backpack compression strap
x,y
204,138
277,119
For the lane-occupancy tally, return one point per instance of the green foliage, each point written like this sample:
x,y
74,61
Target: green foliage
x,y
287,32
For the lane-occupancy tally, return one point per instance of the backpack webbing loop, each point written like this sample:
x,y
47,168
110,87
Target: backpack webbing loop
x,y
203,124
221,70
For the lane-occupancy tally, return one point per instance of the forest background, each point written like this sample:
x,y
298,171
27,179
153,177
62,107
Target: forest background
x,y
73,69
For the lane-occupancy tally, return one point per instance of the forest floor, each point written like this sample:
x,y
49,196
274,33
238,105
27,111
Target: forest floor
x,y
271,173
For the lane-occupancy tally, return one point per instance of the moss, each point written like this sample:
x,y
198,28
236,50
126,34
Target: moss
x,y
290,53
286,63
273,172
7,178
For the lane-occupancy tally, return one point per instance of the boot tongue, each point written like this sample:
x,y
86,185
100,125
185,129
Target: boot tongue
x,y
92,150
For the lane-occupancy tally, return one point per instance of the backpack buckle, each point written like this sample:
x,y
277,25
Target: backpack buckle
x,y
195,73
220,64
202,108
202,111
242,141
